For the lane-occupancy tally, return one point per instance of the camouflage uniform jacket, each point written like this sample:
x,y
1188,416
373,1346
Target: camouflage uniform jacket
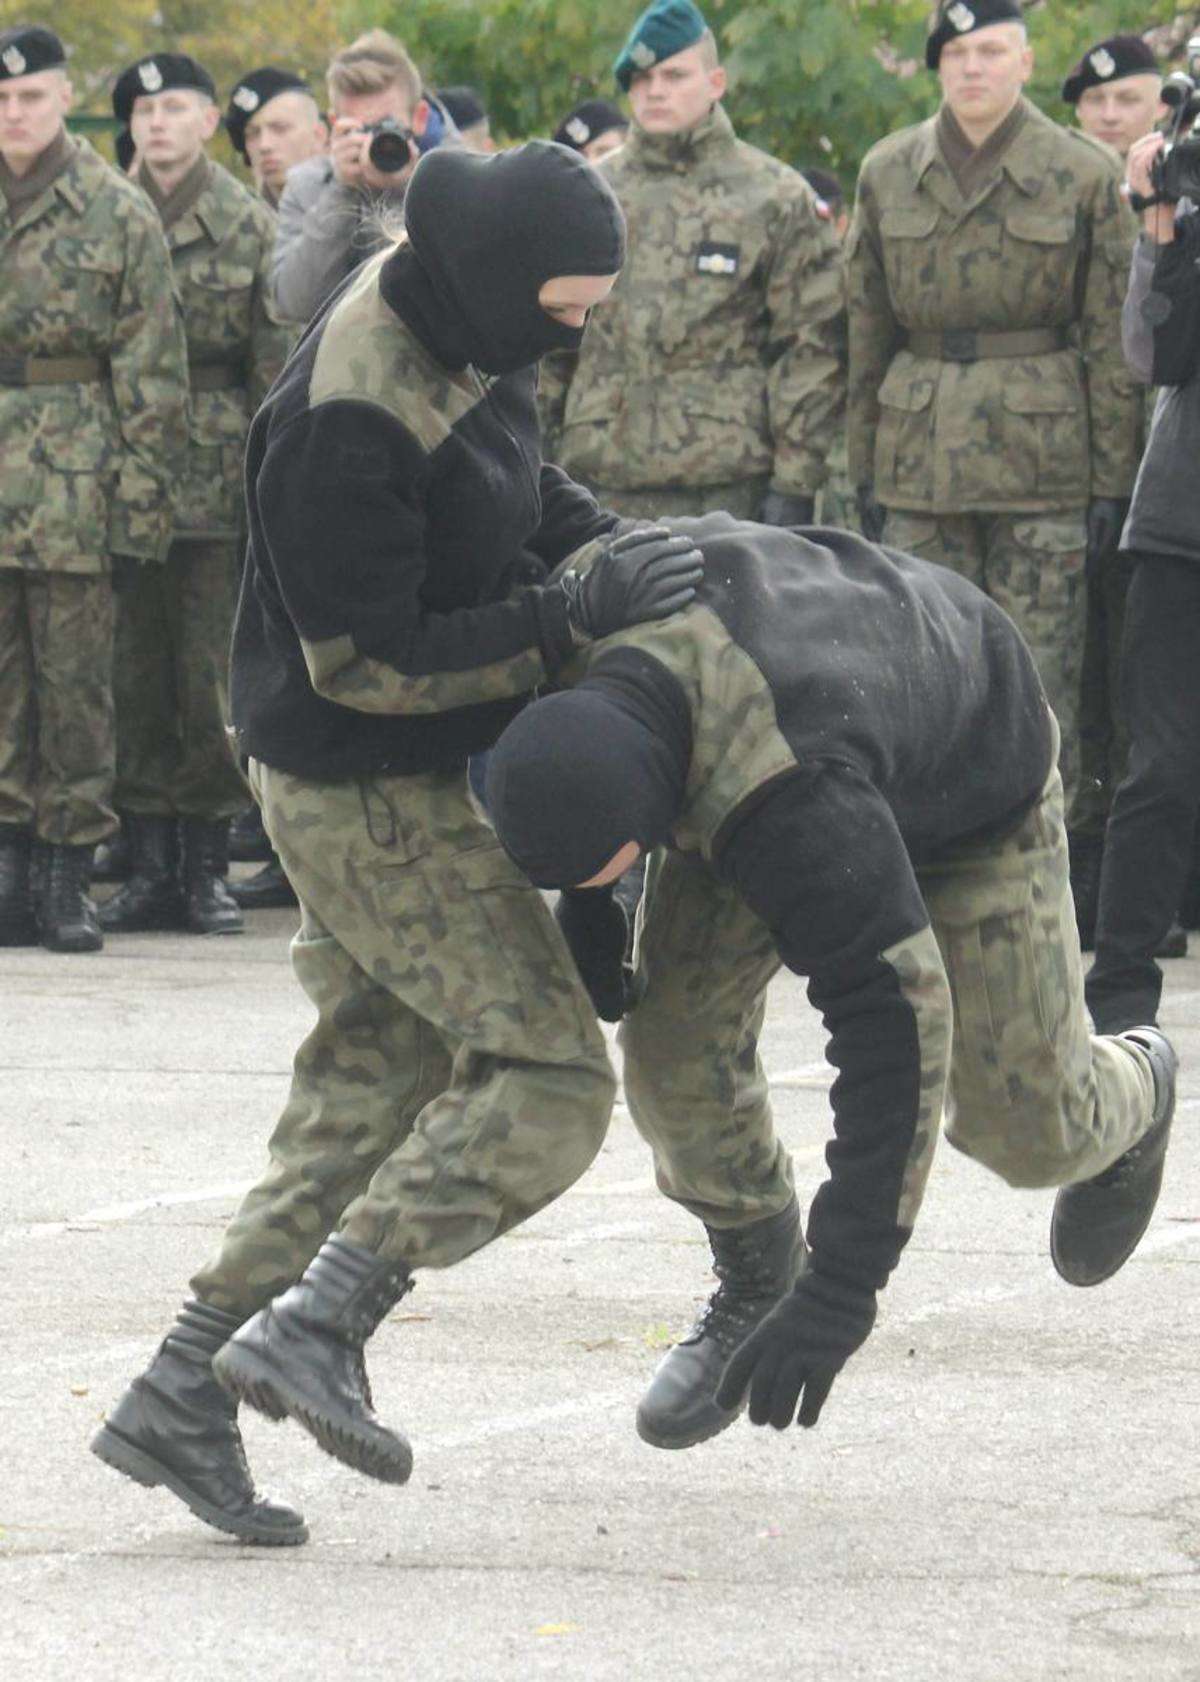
x,y
818,787
402,525
719,355
1045,243
87,469
221,250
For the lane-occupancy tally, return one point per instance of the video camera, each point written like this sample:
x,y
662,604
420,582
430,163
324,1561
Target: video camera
x,y
391,146
1175,172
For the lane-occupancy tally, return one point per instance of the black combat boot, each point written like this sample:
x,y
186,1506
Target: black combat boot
x,y
1098,1223
113,859
248,842
66,916
208,906
756,1264
176,1427
267,889
18,923
150,898
302,1356
1087,856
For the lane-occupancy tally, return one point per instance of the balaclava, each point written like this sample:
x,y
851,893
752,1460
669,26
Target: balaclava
x,y
580,773
485,232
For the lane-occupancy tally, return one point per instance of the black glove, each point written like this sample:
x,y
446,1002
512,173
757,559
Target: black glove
x,y
646,574
596,929
126,570
779,509
801,1345
872,515
1105,518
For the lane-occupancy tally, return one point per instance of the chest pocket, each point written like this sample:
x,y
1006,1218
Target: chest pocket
x,y
1040,250
906,234
86,276
216,307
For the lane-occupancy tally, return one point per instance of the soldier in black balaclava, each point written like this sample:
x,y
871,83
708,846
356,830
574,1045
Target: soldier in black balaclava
x,y
848,757
396,611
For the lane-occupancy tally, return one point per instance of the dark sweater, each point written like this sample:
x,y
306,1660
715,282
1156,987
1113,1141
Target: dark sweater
x,y
393,613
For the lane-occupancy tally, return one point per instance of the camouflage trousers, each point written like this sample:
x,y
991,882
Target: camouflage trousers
x,y
1103,735
1030,1092
56,707
456,1080
1031,565
170,683
742,499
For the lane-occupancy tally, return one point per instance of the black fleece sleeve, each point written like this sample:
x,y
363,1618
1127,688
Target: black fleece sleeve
x,y
822,862
1173,305
571,517
338,502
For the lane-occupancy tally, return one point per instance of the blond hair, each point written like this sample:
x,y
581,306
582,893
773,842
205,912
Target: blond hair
x,y
374,62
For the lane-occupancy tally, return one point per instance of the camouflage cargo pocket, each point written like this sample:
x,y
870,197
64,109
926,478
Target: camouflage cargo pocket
x,y
998,963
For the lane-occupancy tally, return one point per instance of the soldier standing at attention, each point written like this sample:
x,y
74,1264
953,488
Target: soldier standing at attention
x,y
990,411
1115,90
93,395
712,378
274,122
177,781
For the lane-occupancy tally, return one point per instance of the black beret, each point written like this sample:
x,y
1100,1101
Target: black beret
x,y
27,49
964,17
254,90
463,106
156,74
586,121
1110,61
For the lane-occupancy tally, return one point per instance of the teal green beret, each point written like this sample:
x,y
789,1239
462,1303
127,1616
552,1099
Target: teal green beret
x,y
664,29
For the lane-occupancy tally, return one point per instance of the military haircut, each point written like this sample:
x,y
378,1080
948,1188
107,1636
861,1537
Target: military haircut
x,y
373,63
710,53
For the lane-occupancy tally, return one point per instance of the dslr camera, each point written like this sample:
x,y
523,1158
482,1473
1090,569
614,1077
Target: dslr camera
x,y
390,148
1175,172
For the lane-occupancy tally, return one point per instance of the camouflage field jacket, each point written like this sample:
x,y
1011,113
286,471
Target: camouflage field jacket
x,y
88,466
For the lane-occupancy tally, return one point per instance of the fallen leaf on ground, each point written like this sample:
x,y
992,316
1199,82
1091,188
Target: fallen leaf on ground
x,y
557,1629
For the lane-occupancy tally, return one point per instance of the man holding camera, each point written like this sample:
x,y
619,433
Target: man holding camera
x,y
990,413
1148,846
335,208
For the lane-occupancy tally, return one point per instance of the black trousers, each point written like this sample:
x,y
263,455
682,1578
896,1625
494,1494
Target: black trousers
x,y
1148,843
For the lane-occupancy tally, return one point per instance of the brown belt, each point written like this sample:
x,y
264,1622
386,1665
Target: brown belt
x,y
216,376
964,345
51,370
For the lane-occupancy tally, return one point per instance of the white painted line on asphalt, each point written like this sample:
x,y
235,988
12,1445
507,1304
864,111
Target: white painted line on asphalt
x,y
113,1213
506,1424
807,1074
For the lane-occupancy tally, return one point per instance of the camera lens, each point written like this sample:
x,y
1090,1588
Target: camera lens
x,y
389,151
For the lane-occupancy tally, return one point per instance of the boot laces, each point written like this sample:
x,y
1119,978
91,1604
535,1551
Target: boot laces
x,y
747,1286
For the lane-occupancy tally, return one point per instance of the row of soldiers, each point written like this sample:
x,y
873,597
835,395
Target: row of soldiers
x,y
989,419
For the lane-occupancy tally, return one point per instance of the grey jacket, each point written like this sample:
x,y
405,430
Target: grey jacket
x,y
1160,334
324,232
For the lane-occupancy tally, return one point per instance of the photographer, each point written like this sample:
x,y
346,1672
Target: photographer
x,y
335,208
1149,840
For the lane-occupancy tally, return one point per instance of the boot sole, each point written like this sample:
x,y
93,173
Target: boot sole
x,y
655,1440
252,1380
1065,1267
119,1453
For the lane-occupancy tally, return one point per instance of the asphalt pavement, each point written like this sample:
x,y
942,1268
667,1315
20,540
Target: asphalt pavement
x,y
1004,1484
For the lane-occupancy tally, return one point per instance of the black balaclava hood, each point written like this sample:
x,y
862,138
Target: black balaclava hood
x,y
485,232
580,773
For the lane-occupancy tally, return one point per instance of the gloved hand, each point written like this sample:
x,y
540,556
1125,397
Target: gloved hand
x,y
1105,518
596,929
126,570
801,1346
779,509
646,574
872,515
